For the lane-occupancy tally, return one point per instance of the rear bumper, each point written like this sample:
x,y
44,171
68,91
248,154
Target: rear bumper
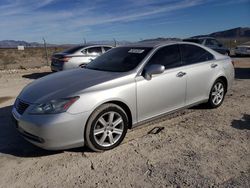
x,y
57,66
54,131
55,69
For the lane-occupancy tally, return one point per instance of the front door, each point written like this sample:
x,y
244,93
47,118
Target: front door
x,y
164,92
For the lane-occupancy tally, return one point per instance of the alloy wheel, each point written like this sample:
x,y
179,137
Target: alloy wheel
x,y
217,93
108,129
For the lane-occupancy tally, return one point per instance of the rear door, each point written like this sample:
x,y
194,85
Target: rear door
x,y
164,92
198,65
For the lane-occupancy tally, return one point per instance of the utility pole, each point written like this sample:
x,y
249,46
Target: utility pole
x,y
46,51
84,39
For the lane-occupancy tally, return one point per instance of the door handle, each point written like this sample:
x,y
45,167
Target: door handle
x,y
180,74
214,65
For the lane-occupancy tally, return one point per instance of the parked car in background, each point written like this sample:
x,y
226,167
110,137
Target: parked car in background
x,y
128,85
76,56
211,43
243,49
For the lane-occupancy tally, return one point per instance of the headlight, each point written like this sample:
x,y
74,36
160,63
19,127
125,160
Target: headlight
x,y
54,106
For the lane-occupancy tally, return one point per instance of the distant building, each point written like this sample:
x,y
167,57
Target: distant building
x,y
20,47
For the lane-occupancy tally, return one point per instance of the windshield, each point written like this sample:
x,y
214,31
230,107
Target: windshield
x,y
121,59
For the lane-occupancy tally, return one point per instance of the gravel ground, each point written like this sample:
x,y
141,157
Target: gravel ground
x,y
193,148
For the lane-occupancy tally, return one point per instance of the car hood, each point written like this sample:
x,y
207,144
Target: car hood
x,y
64,84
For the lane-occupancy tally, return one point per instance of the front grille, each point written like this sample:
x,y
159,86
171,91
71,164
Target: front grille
x,y
21,106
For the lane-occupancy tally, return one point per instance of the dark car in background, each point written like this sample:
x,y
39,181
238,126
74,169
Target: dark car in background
x,y
211,43
76,56
243,49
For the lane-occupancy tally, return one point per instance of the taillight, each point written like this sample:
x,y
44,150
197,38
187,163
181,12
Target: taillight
x,y
65,59
232,62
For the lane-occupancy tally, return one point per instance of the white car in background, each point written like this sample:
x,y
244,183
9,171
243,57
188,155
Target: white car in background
x,y
76,56
243,49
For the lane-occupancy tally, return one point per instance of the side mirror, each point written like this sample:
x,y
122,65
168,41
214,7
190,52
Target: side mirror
x,y
153,69
220,45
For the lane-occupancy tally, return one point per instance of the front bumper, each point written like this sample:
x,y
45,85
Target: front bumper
x,y
52,131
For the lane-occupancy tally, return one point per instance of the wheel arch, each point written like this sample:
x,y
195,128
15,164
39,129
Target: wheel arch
x,y
121,104
125,108
224,79
221,77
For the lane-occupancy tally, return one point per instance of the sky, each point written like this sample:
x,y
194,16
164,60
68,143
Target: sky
x,y
72,21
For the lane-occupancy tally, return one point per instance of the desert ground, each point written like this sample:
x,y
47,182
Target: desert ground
x,y
195,147
11,58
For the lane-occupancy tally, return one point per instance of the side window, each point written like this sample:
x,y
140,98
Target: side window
x,y
106,48
94,50
194,54
168,56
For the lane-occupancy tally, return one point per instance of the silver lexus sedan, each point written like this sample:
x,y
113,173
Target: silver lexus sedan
x,y
119,90
76,57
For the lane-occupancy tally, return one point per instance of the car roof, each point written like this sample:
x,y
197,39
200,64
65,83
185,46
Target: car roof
x,y
151,44
201,38
93,45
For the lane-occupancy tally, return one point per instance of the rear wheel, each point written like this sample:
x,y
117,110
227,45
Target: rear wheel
x,y
106,127
217,94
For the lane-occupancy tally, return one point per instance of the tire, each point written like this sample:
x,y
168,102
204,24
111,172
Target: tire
x,y
217,94
227,53
106,127
82,65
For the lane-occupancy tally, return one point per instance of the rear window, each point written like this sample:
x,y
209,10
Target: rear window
x,y
198,41
73,50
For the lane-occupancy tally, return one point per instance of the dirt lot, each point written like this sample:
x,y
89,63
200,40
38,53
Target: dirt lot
x,y
28,58
196,148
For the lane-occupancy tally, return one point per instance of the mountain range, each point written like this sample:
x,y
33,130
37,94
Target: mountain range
x,y
239,32
235,33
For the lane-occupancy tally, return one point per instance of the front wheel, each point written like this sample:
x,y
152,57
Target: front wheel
x,y
217,94
106,127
